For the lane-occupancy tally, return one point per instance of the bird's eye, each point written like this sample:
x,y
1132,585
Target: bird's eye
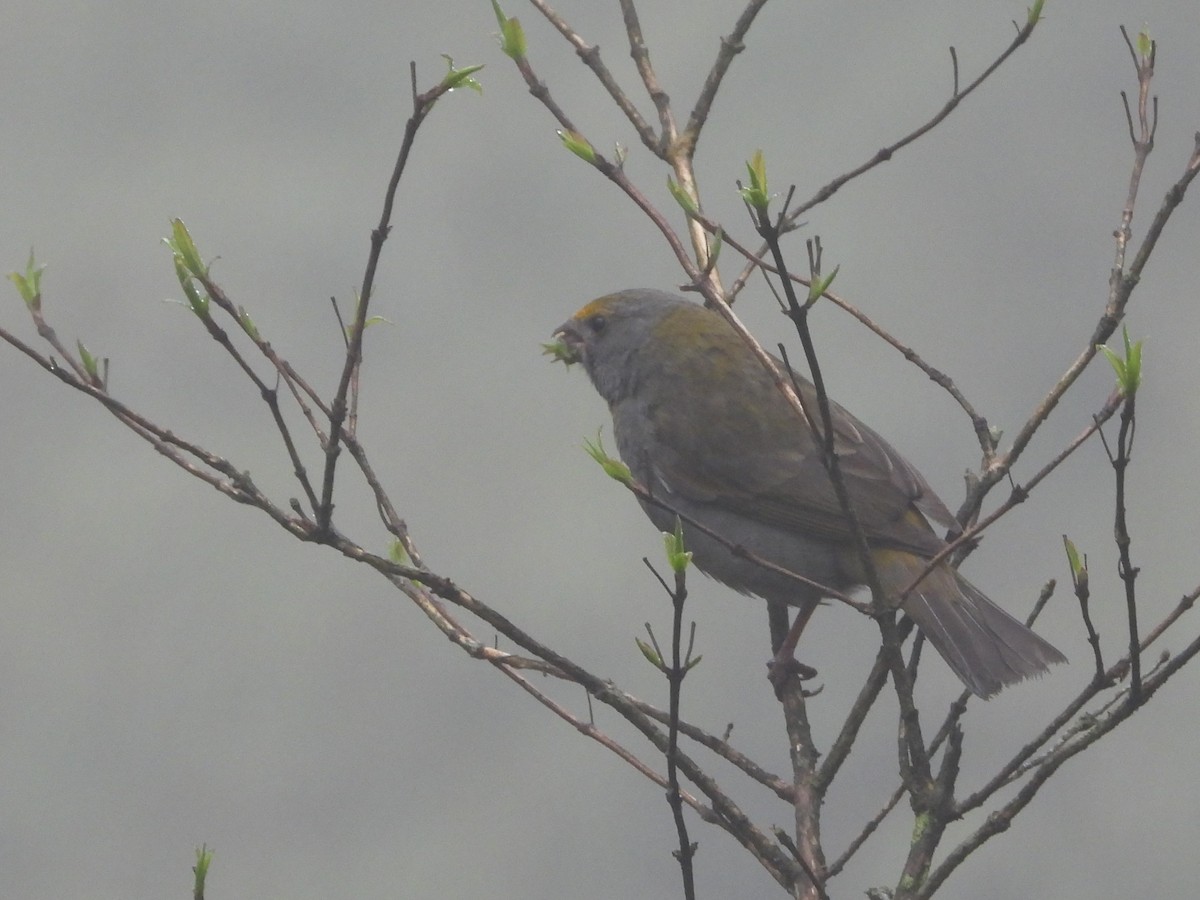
x,y
597,323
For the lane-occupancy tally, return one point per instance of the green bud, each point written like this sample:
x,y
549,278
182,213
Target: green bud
x,y
88,360
1144,44
577,144
651,654
457,78
197,301
512,36
756,193
29,284
247,324
184,248
398,555
821,285
678,556
203,861
613,468
560,351
715,243
682,197
1077,562
1129,369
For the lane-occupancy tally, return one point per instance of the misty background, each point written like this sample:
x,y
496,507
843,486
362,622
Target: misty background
x,y
177,671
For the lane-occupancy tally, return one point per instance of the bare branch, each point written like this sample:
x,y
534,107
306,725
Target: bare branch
x,y
889,151
590,54
731,45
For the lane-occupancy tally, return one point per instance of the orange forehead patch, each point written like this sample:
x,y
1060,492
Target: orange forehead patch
x,y
598,305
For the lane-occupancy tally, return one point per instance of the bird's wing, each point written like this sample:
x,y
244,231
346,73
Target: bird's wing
x,y
751,454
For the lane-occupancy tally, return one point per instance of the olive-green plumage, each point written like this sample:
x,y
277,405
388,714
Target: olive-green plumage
x,y
702,425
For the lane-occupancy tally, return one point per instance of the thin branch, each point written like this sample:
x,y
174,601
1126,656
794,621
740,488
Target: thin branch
x,y
422,105
1016,765
731,45
1121,287
913,759
730,816
590,54
641,59
978,423
781,788
840,749
1018,495
589,730
1127,571
889,151
680,664
802,750
867,830
1080,580
999,820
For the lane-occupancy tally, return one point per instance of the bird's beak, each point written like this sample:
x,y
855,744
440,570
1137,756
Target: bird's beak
x,y
568,344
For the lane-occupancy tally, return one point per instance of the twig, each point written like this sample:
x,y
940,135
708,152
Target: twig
x,y
999,820
885,154
641,59
590,54
1081,581
913,759
1127,571
422,105
731,46
675,675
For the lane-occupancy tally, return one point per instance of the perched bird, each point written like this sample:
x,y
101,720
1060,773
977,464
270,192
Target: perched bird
x,y
703,427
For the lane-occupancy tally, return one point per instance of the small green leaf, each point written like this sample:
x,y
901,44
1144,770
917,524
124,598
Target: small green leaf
x,y
512,36
247,324
678,556
1077,562
1034,13
1133,362
457,78
203,861
196,301
501,18
756,193
715,243
88,360
1144,44
682,197
1129,369
1118,364
398,555
651,654
577,144
184,248
821,285
560,351
692,663
29,284
376,320
613,468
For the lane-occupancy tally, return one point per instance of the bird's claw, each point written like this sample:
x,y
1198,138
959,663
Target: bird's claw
x,y
780,670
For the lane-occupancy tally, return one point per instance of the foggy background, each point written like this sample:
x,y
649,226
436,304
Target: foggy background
x,y
177,671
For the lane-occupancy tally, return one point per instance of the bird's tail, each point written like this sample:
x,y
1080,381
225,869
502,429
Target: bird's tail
x,y
985,646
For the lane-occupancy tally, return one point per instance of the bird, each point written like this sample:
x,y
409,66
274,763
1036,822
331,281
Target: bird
x,y
706,431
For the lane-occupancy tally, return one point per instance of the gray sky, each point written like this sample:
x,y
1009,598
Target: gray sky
x,y
177,671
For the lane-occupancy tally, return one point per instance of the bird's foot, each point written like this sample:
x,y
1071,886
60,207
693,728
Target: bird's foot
x,y
780,669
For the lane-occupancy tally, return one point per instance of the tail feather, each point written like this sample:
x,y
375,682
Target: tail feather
x,y
985,646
